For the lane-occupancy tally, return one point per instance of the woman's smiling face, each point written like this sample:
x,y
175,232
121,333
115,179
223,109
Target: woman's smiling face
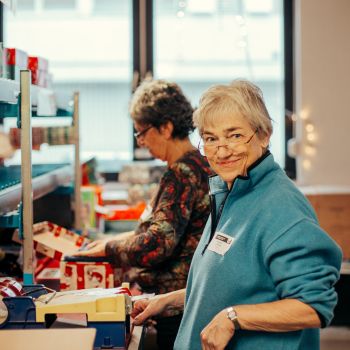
x,y
231,146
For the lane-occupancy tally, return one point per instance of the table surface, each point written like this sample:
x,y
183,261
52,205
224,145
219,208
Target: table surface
x,y
57,339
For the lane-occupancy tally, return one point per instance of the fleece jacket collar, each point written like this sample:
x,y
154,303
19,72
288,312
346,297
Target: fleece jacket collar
x,y
242,184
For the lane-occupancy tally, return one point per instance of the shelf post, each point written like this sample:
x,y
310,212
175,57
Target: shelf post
x,y
26,176
77,165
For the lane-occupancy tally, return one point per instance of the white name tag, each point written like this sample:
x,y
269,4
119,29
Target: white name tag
x,y
220,243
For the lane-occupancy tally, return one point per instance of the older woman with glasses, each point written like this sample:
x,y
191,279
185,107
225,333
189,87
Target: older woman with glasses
x,y
263,274
163,244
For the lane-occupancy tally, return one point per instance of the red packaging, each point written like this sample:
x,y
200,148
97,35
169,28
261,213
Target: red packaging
x,y
54,241
75,272
38,63
39,77
10,287
85,275
16,57
126,212
14,61
39,67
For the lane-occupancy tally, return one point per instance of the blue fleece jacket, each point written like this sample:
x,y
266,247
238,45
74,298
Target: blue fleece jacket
x,y
278,252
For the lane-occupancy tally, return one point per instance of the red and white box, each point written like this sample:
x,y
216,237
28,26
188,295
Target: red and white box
x,y
85,273
55,241
39,67
14,61
58,243
16,57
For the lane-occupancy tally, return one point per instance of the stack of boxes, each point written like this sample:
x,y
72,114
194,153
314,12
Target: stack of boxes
x,y
61,271
13,60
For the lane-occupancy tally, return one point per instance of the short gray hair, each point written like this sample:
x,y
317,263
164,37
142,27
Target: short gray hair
x,y
156,102
240,96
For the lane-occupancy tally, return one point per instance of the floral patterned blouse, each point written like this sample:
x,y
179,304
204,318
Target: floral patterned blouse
x,y
164,243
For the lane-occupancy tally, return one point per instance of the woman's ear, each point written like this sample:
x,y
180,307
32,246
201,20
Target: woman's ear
x,y
167,129
265,141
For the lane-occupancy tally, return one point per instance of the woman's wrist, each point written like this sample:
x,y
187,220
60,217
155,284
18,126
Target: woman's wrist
x,y
232,315
174,299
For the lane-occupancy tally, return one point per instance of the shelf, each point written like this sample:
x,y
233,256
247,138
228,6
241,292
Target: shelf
x,y
45,102
9,90
46,178
25,101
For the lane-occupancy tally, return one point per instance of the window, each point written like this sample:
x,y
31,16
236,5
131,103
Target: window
x,y
201,43
196,43
89,51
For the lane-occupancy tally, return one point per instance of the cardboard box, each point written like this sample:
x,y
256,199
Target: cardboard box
x,y
15,60
50,277
53,240
333,212
38,63
85,273
57,242
16,57
39,67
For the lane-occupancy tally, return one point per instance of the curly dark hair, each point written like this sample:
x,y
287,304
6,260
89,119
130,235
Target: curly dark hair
x,y
158,101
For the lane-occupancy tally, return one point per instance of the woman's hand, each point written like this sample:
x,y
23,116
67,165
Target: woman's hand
x,y
96,248
146,308
217,334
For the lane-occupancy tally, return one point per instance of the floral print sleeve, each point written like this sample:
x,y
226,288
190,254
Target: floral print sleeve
x,y
165,243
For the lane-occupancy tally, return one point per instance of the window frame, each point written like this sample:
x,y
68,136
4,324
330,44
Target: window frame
x,y
288,24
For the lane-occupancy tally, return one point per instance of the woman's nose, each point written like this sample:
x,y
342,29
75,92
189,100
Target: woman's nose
x,y
223,151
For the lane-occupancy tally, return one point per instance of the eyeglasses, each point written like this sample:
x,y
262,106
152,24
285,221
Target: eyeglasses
x,y
142,132
211,144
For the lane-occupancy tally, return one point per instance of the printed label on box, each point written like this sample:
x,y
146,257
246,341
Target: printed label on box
x,y
94,276
69,277
85,275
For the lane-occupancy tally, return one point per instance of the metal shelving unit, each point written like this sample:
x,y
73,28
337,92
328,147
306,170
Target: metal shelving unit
x,y
23,100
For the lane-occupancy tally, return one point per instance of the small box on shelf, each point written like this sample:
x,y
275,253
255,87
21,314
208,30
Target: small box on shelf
x,y
39,67
15,60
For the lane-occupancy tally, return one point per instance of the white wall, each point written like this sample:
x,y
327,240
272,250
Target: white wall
x,y
322,88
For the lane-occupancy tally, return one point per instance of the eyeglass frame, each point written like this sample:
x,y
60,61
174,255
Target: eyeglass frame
x,y
138,134
227,143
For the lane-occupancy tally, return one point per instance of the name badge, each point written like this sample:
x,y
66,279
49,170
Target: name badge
x,y
220,243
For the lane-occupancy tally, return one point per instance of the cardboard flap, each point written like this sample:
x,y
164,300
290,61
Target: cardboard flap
x,y
53,240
